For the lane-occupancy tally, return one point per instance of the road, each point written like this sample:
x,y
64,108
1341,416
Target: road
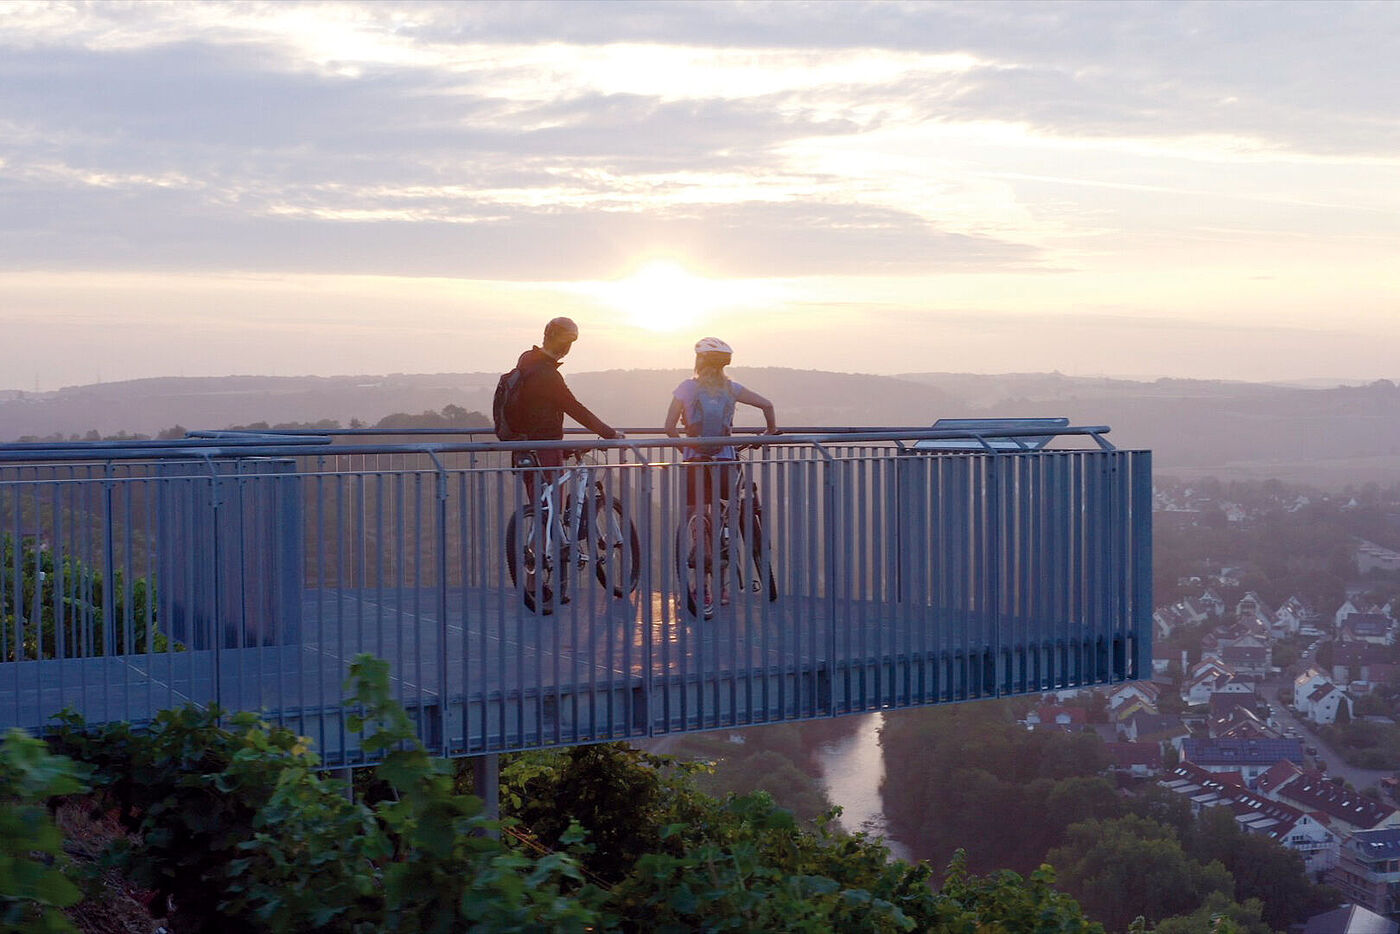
x,y
1360,779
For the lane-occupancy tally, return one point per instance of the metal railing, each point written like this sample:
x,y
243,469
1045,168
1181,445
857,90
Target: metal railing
x,y
250,570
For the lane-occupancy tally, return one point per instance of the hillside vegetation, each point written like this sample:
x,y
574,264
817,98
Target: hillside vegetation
x,y
1326,437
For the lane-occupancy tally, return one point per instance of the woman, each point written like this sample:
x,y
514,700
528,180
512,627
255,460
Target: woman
x,y
706,404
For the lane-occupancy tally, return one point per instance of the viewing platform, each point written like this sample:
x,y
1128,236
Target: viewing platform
x,y
855,570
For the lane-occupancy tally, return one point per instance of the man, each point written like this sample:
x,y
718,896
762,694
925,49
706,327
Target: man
x,y
544,398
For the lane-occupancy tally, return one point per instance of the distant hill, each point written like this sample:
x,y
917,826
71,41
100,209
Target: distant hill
x,y
1326,436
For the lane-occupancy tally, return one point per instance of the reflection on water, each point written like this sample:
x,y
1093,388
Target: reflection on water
x,y
852,770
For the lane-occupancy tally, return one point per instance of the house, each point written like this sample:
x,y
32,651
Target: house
x,y
1289,617
1361,661
1251,607
1140,760
1346,812
1222,702
1248,656
1373,557
1347,608
1304,685
1326,701
1146,691
1055,717
1208,676
1210,602
1155,729
1241,723
1250,757
1368,870
1374,628
1255,813
1277,775
1350,919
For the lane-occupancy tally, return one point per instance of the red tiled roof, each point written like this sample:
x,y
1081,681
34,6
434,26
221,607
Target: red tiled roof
x,y
1278,775
1311,793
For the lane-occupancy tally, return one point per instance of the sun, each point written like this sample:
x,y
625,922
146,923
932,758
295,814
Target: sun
x,y
663,296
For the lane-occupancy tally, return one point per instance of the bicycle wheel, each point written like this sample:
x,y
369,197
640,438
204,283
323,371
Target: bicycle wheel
x,y
536,574
617,552
755,562
695,566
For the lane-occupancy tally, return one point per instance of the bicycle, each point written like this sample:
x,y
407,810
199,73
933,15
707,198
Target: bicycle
x,y
573,523
740,534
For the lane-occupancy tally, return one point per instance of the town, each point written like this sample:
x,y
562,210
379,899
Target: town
x,y
1282,712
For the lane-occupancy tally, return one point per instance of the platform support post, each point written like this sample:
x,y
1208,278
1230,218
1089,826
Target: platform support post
x,y
486,781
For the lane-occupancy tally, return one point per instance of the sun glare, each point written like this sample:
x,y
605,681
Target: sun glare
x,y
663,296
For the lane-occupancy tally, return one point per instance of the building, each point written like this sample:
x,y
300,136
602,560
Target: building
x,y
1303,686
1248,656
1055,717
1139,760
1361,661
1374,628
1368,870
1350,919
1301,832
1250,757
1345,811
1373,557
1326,702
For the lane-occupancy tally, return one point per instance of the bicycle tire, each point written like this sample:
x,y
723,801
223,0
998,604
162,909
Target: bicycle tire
x,y
617,554
751,520
690,572
538,590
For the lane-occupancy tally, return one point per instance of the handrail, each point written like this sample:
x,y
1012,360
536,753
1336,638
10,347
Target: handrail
x,y
199,446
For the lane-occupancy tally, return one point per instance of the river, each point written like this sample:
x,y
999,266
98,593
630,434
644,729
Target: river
x,y
852,769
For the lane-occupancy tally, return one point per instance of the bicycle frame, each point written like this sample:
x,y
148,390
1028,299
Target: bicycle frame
x,y
571,526
574,502
712,531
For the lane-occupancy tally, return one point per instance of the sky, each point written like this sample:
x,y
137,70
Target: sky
x,y
1145,189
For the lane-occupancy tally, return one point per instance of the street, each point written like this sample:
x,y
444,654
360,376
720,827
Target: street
x,y
1360,779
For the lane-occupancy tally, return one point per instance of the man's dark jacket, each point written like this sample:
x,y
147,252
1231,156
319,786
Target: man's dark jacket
x,y
545,399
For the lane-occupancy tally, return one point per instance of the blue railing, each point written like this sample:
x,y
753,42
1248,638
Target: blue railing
x,y
249,570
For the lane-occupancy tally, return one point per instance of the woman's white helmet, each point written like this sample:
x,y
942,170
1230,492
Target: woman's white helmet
x,y
713,345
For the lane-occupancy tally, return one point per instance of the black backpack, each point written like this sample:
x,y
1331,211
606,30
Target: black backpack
x,y
506,417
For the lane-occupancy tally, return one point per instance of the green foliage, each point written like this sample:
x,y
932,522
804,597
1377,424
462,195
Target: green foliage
x,y
1264,872
1364,744
33,887
1219,915
1119,869
947,770
190,787
451,416
1004,902
59,605
779,759
234,824
619,796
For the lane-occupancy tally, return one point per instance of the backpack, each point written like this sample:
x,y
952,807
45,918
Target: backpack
x,y
506,418
716,414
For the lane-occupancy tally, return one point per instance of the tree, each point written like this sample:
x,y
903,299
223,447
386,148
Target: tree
x,y
1218,915
1119,869
1264,871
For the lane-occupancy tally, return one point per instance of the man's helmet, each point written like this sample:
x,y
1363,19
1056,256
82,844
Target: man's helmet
x,y
713,345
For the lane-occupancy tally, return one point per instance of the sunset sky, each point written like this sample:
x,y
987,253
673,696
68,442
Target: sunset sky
x,y
1140,189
